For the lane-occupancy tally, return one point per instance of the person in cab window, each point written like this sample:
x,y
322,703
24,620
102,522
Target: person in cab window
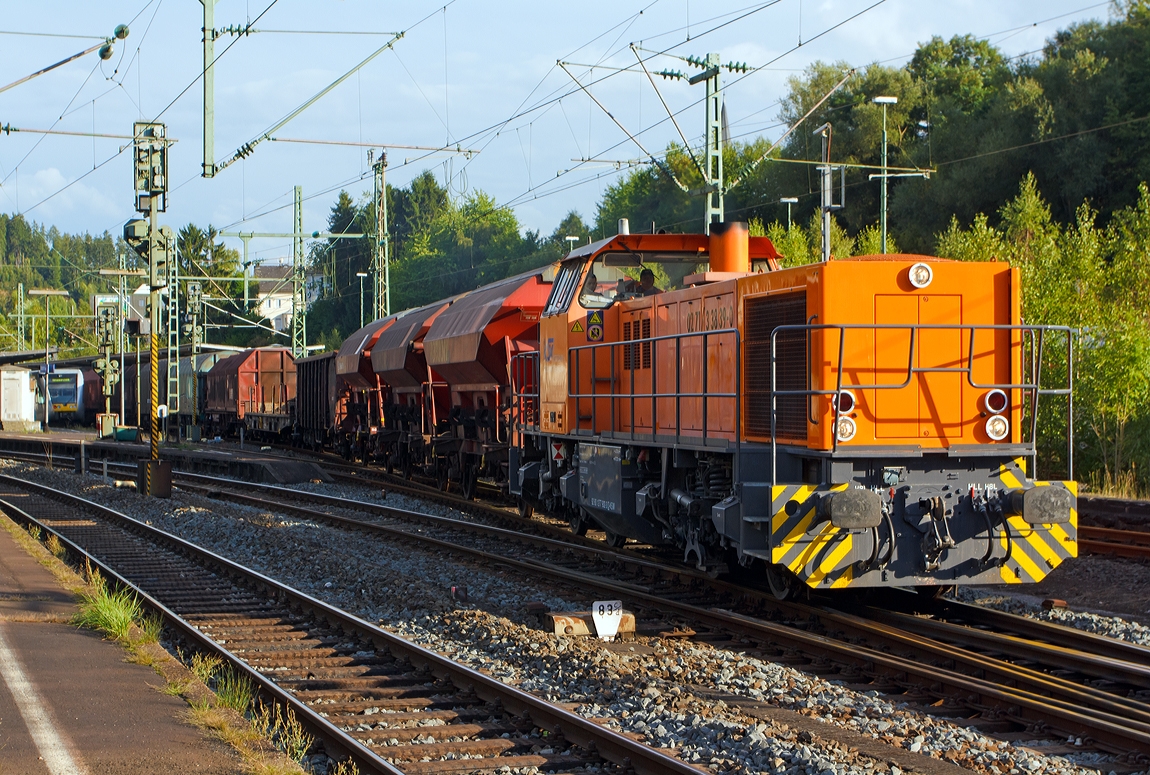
x,y
647,283
592,297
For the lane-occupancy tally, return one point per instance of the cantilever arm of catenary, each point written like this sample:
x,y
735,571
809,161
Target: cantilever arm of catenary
x,y
246,149
237,317
666,170
670,115
750,167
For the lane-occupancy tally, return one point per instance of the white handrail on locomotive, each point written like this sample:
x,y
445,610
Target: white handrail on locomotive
x,y
1033,334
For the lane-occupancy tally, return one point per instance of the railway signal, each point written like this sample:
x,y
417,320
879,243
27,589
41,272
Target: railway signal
x,y
156,245
107,367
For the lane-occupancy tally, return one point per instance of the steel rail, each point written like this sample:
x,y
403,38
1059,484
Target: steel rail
x,y
1036,629
1134,544
1068,710
583,732
1120,725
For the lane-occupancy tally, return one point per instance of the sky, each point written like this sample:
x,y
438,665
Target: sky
x,y
477,76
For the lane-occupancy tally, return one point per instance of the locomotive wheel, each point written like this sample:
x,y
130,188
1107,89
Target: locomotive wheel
x,y
441,479
389,464
526,508
615,541
782,582
578,523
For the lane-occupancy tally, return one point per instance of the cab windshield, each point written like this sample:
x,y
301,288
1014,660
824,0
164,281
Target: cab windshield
x,y
630,275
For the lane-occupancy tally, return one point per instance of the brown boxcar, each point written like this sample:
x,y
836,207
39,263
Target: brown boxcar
x,y
254,390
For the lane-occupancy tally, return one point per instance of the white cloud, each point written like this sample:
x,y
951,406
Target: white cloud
x,y
78,203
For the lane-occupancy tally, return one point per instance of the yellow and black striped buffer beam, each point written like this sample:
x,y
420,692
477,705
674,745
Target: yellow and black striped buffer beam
x,y
1035,550
818,553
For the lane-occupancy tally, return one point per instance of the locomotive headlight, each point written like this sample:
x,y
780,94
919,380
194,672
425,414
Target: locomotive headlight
x,y
845,402
995,401
845,429
920,275
997,427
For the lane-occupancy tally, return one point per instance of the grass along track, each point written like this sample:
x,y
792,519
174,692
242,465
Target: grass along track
x,y
431,715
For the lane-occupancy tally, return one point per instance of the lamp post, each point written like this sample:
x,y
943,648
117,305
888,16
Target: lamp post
x,y
47,293
788,201
884,101
361,275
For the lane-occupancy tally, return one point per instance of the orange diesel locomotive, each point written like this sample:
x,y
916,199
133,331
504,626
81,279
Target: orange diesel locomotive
x,y
853,423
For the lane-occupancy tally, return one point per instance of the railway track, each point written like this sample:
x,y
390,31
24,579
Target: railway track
x,y
1121,543
995,672
1014,675
388,704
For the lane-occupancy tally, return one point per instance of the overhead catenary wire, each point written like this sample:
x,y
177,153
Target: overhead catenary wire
x,y
246,149
167,107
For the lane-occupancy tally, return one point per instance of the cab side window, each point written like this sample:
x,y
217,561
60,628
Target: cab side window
x,y
563,291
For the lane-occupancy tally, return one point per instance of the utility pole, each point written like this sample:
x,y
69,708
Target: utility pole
x,y
195,331
381,269
209,164
826,179
884,101
173,332
361,275
298,317
713,154
152,242
20,316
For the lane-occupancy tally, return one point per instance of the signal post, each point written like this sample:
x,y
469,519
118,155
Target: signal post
x,y
154,243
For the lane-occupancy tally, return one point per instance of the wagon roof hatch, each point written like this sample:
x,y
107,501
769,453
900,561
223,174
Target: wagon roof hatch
x,y
347,362
390,350
456,334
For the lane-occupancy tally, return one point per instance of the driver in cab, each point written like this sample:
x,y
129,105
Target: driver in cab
x,y
647,283
629,289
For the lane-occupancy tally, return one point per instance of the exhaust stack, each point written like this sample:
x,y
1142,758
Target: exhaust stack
x,y
730,247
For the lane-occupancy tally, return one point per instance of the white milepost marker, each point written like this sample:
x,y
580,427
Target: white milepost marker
x,y
607,615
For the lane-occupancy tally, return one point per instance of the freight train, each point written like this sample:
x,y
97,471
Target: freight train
x,y
863,422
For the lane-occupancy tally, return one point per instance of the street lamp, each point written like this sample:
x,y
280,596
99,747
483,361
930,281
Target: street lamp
x,y
884,101
361,275
788,201
46,293
571,240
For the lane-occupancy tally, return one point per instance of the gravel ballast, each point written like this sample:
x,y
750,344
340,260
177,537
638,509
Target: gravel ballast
x,y
661,689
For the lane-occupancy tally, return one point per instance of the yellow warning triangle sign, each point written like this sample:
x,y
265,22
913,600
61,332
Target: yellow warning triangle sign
x,y
595,319
577,328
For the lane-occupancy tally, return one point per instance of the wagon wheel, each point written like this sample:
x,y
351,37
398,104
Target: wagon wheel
x,y
578,523
526,508
782,582
405,465
441,478
469,482
615,541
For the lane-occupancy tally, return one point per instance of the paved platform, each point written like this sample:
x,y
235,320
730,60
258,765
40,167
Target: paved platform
x,y
70,703
204,458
